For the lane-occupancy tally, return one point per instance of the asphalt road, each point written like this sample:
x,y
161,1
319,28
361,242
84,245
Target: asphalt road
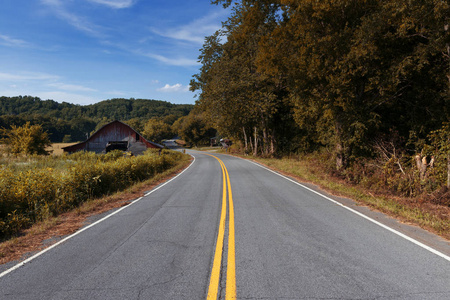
x,y
288,243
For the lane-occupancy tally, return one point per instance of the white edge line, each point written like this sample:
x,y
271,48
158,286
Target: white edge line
x,y
89,226
432,250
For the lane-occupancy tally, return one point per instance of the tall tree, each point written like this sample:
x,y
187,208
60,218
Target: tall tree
x,y
354,68
242,102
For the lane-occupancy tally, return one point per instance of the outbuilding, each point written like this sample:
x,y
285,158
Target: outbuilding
x,y
115,135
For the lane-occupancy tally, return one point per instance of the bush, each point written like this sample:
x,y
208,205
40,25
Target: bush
x,y
36,193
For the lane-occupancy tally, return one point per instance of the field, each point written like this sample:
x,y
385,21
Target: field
x,y
35,188
56,148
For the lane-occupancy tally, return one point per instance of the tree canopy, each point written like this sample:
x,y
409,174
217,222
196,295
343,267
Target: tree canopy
x,y
70,122
295,75
25,140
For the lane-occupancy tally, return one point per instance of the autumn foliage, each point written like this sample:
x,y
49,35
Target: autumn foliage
x,y
367,82
38,187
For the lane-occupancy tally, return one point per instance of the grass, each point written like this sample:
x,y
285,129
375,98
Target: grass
x,y
56,148
429,216
33,238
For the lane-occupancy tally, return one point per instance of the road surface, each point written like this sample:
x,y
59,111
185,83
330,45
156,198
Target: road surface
x,y
227,228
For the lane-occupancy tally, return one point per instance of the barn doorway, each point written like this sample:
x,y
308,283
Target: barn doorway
x,y
119,145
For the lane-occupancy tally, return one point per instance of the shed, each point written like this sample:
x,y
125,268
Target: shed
x,y
115,135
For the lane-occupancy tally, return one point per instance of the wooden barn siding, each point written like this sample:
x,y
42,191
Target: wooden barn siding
x,y
113,132
110,133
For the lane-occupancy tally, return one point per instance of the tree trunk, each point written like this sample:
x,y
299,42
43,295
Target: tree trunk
x,y
272,145
265,144
341,156
251,143
255,150
245,141
421,163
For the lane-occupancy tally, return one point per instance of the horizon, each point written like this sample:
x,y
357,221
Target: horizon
x,y
110,99
90,51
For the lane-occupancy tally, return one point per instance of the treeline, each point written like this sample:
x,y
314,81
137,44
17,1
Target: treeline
x,y
361,79
69,122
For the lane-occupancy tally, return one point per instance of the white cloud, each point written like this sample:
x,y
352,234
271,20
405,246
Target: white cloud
x,y
115,3
178,87
179,62
71,87
11,42
78,22
195,31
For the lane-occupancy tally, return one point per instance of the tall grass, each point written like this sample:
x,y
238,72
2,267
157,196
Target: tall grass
x,y
36,188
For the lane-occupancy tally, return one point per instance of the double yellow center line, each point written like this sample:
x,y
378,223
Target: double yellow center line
x,y
231,261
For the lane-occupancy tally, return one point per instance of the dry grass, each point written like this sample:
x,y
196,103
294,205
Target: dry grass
x,y
33,238
418,211
56,148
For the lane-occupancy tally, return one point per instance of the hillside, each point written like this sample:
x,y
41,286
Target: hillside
x,y
71,122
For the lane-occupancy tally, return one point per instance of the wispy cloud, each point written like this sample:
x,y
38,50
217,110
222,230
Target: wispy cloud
x,y
78,22
115,3
67,97
11,42
71,87
179,62
27,76
174,88
193,32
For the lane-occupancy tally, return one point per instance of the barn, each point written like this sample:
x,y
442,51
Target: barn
x,y
115,135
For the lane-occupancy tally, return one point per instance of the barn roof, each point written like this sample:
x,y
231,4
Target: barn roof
x,y
95,134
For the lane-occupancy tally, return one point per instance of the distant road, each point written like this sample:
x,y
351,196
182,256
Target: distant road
x,y
171,144
288,243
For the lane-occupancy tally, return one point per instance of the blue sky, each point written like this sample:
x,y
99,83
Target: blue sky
x,y
86,51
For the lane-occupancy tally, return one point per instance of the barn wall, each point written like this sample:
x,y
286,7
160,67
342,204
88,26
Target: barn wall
x,y
113,132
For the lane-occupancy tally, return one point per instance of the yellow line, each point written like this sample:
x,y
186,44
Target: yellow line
x,y
231,263
231,259
215,272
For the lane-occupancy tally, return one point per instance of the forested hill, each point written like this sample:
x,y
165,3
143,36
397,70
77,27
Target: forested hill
x,y
117,109
69,122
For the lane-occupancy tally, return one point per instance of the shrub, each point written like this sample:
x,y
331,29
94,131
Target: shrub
x,y
46,187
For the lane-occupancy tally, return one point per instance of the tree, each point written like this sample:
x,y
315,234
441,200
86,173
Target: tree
x,y
156,130
239,101
354,68
136,124
440,152
27,139
194,129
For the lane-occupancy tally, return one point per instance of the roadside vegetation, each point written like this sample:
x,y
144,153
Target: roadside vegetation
x,y
430,211
356,92
36,188
352,95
